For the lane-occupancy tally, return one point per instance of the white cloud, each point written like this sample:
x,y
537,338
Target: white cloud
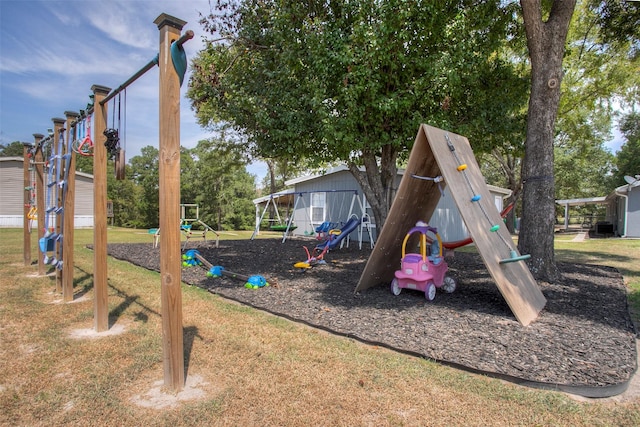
x,y
54,51
122,21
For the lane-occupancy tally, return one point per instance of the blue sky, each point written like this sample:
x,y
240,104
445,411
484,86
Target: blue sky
x,y
52,52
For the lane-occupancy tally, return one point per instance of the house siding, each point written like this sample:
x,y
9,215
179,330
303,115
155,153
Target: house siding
x,y
339,190
12,195
446,217
11,188
633,213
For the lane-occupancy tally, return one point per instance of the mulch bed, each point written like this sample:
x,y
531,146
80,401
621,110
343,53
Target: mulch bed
x,y
583,341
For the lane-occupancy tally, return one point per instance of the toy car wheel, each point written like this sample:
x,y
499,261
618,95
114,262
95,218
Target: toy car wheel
x,y
395,287
430,293
448,284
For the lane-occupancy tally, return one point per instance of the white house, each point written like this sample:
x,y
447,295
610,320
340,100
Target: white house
x,y
335,196
12,195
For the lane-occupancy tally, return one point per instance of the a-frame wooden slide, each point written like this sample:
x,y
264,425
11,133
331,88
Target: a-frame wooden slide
x,y
437,152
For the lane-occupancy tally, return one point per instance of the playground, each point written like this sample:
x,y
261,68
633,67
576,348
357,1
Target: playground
x,y
583,342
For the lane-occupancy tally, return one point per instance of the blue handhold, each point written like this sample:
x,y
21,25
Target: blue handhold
x,y
475,198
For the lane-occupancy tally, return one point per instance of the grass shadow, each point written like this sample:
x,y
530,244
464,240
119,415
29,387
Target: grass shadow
x,y
129,300
189,334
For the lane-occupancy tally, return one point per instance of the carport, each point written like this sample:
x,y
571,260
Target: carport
x,y
567,203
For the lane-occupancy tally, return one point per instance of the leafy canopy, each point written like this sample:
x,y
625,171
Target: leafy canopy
x,y
352,81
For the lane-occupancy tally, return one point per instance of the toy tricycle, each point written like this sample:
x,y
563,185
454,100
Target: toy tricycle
x,y
423,272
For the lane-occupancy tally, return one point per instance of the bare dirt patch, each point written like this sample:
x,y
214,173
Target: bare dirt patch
x,y
158,398
583,341
91,333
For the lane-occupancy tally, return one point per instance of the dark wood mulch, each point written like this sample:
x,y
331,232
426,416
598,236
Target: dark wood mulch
x,y
582,342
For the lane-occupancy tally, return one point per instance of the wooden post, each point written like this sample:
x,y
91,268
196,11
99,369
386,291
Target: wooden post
x,y
58,124
40,191
169,170
100,285
26,234
69,213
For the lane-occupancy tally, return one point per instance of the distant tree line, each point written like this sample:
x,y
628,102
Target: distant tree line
x,y
213,177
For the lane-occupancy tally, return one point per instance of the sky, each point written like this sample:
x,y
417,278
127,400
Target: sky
x,y
52,52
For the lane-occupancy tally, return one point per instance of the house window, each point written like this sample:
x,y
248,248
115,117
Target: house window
x,y
318,204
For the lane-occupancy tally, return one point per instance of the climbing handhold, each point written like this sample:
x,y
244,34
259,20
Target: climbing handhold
x,y
514,257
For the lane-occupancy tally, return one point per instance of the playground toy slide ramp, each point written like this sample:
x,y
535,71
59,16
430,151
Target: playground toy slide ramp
x,y
416,199
346,229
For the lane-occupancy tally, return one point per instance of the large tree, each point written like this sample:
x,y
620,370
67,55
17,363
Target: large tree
x,y
15,149
598,77
628,159
224,190
352,81
145,174
546,34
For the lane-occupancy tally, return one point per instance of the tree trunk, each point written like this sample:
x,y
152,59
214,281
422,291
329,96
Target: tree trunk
x,y
511,169
272,185
545,40
378,182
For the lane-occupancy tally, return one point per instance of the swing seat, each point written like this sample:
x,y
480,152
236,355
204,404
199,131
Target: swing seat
x,y
281,227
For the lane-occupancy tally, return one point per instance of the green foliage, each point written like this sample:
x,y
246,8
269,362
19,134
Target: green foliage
x,y
224,189
352,81
15,149
211,176
595,74
280,171
145,175
628,159
125,196
84,164
619,21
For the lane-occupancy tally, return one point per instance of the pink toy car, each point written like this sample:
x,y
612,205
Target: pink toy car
x,y
423,272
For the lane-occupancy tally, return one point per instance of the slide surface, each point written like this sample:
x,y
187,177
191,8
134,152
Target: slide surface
x,y
351,225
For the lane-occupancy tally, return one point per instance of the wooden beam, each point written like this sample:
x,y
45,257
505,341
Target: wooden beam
x,y
169,171
28,185
100,285
40,191
58,124
514,280
69,213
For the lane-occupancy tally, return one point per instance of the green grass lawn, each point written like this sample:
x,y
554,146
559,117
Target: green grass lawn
x,y
254,368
